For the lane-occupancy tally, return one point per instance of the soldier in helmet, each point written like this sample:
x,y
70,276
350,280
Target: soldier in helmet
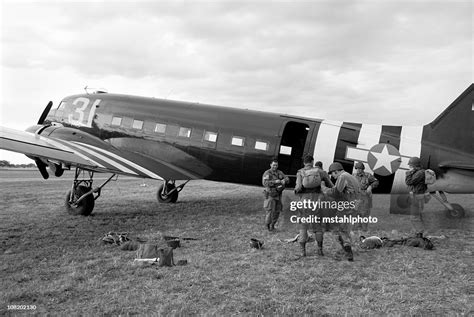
x,y
367,182
308,187
319,165
274,182
347,189
415,179
325,212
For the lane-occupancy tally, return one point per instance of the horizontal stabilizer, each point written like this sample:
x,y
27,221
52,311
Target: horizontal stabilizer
x,y
457,164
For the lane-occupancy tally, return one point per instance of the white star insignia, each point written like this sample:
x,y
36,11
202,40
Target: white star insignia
x,y
384,159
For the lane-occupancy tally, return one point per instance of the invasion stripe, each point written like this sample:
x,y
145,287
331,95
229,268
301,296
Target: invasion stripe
x,y
326,142
67,148
391,135
114,164
410,145
124,160
348,137
314,135
369,136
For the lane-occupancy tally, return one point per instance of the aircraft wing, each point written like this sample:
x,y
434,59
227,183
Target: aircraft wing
x,y
79,153
37,146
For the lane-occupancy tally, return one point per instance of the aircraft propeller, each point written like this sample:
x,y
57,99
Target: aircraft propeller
x,y
45,112
56,168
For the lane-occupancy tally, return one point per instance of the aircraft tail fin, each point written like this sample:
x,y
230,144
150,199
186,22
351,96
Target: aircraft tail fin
x,y
454,127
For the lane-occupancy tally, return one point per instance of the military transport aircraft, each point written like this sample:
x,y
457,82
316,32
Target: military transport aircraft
x,y
170,140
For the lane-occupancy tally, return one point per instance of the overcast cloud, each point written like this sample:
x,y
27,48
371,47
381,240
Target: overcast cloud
x,y
391,62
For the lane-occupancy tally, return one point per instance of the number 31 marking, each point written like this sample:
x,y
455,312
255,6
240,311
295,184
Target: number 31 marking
x,y
81,110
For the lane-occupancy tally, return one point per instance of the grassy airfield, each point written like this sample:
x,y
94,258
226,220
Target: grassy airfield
x,y
55,261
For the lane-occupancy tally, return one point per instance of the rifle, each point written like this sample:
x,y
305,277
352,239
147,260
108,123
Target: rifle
x,y
179,238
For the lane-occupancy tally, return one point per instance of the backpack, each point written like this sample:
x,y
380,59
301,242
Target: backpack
x,y
430,177
311,178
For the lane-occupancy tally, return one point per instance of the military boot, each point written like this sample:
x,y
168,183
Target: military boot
x,y
320,248
303,248
319,240
341,241
348,250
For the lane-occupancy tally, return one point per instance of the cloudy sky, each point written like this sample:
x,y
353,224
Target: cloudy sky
x,y
390,62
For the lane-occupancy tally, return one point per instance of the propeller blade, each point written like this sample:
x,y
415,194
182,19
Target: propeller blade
x,y
45,112
42,168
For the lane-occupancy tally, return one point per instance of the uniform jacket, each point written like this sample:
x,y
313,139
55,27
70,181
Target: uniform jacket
x,y
365,180
269,178
346,188
415,179
299,181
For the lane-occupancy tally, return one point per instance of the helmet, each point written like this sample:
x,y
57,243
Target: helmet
x,y
308,159
257,244
414,161
360,165
336,166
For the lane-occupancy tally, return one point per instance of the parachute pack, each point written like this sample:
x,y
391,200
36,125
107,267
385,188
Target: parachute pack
x,y
430,177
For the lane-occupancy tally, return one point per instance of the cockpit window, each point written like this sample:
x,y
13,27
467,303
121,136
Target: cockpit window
x,y
61,105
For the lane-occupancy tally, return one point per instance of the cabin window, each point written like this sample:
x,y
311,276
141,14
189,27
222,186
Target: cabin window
x,y
160,128
285,150
184,132
116,121
238,141
210,136
261,145
137,124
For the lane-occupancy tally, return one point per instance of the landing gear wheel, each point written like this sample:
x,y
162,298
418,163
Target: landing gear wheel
x,y
172,198
457,212
85,206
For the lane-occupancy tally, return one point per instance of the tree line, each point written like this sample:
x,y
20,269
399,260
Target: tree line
x,y
4,163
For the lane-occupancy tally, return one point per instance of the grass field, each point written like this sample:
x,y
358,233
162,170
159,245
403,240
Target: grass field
x,y
55,261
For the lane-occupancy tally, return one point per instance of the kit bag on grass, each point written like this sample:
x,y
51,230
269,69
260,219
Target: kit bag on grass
x,y
164,256
311,178
147,251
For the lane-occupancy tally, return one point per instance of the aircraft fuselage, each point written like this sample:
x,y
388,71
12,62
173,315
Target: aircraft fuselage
x,y
183,140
